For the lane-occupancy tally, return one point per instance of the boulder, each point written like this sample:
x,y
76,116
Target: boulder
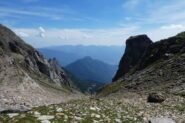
x,y
161,120
155,98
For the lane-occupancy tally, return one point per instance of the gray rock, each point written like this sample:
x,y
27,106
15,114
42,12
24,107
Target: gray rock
x,y
135,48
155,98
161,120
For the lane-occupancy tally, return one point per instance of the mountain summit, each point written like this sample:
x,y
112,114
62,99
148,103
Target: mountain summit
x,y
88,68
135,48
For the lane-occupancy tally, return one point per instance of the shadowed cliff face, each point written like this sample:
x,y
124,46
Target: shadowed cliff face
x,y
135,48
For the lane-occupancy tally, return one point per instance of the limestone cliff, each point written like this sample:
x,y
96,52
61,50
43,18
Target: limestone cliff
x,y
135,48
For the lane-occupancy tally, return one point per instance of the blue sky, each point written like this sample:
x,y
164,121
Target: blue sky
x,y
44,23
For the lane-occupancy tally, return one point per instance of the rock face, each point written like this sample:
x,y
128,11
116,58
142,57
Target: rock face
x,y
26,78
160,69
135,49
10,45
58,74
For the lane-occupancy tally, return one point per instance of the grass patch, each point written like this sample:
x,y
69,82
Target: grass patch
x,y
109,88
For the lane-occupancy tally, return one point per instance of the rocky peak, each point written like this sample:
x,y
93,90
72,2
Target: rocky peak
x,y
27,79
162,50
12,46
135,48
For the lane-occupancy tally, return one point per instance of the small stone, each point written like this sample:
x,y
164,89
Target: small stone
x,y
93,108
45,121
36,114
78,118
97,116
118,120
13,115
59,109
45,117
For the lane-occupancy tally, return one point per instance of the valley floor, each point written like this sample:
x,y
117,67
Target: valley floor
x,y
118,108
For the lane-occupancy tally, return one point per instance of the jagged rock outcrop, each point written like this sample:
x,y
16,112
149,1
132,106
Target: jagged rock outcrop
x,y
26,78
135,48
58,74
33,60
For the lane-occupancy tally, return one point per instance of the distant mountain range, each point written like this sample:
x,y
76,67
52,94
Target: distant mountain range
x,y
92,69
68,54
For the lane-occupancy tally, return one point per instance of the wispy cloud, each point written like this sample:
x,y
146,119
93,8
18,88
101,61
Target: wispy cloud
x,y
173,26
112,36
13,12
41,32
172,12
22,34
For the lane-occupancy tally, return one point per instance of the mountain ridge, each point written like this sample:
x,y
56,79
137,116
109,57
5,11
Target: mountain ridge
x,y
67,54
160,69
26,78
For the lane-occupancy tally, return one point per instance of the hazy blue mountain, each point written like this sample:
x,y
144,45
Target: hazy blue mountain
x,y
67,54
92,69
85,86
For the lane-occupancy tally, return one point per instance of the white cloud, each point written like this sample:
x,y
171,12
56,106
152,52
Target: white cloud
x,y
51,13
22,34
113,36
41,32
41,29
42,35
165,32
173,26
173,12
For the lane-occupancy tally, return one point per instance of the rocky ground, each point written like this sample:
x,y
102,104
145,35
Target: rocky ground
x,y
127,108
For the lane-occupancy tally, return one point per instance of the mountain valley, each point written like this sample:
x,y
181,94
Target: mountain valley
x,y
148,87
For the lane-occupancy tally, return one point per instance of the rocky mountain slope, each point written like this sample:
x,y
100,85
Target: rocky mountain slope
x,y
26,78
155,85
160,69
88,68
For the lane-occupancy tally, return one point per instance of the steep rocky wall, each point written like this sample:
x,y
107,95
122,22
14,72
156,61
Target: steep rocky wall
x,y
135,48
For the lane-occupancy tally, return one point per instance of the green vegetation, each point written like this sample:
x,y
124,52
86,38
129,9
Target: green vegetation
x,y
80,111
109,88
182,34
